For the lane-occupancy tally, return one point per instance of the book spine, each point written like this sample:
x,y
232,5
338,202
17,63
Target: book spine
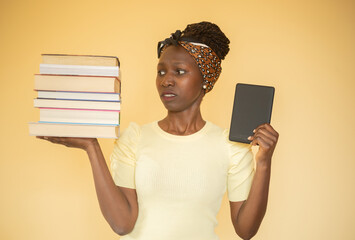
x,y
77,104
78,70
81,109
80,123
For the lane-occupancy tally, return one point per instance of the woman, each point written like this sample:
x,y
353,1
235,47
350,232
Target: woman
x,y
169,176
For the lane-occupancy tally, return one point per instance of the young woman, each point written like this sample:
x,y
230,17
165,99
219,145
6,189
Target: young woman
x,y
169,176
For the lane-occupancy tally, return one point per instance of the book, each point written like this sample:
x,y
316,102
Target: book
x,y
73,130
88,60
77,83
57,115
76,104
78,70
79,95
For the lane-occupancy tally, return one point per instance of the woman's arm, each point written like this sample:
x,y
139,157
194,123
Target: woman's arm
x,y
248,215
118,204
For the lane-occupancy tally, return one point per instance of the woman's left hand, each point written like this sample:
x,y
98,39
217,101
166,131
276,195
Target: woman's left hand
x,y
266,137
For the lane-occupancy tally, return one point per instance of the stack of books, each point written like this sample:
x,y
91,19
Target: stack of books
x,y
78,96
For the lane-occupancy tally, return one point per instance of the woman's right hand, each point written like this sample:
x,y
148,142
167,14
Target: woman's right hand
x,y
73,142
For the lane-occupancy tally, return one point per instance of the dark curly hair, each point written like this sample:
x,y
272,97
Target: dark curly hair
x,y
209,34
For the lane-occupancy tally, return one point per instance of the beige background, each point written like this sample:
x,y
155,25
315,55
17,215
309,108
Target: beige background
x,y
304,48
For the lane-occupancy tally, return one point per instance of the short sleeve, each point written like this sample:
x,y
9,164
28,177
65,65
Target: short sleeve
x,y
123,157
240,171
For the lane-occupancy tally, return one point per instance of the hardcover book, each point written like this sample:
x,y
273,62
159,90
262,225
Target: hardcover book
x,y
88,60
58,115
76,104
78,70
77,83
73,130
113,97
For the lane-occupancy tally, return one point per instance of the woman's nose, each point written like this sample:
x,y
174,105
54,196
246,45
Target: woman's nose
x,y
167,80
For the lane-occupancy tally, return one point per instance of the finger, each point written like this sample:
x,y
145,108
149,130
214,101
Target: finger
x,y
43,137
53,139
263,142
61,140
264,125
272,130
267,133
260,128
256,138
268,127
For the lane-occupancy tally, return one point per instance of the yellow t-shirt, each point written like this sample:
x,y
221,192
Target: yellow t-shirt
x,y
180,180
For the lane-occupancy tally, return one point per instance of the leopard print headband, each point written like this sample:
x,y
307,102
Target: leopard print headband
x,y
206,59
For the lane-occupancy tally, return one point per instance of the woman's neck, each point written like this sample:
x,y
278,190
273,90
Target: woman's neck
x,y
182,123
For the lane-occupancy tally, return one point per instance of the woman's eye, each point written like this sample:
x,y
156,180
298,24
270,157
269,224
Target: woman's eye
x,y
180,71
161,72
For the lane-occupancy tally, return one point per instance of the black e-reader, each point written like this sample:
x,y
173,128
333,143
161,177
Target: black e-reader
x,y
252,107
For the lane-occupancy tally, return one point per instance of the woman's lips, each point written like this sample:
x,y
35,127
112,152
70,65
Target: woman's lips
x,y
168,96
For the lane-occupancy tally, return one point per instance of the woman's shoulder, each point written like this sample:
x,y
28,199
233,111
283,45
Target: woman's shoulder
x,y
218,131
223,135
135,129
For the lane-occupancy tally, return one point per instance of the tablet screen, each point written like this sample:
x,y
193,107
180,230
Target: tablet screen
x,y
252,107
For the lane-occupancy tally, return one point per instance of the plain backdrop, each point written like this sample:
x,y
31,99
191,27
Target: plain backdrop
x,y
305,49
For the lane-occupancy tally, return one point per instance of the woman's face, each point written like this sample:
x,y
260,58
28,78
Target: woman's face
x,y
179,80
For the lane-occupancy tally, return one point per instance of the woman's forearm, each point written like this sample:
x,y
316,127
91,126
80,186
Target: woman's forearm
x,y
119,210
253,209
248,218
